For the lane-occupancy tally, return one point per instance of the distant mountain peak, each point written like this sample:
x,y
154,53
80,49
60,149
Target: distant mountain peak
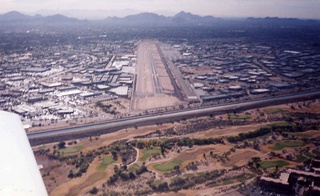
x,y
184,13
18,17
15,15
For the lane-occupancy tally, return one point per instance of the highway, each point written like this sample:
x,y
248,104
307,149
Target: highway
x,y
132,121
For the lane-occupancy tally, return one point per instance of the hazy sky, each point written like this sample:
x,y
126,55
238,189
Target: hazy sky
x,y
242,8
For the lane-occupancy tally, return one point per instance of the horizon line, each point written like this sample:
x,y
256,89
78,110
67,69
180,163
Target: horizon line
x,y
141,12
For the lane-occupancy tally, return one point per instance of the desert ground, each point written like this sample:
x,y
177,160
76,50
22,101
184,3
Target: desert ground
x,y
285,149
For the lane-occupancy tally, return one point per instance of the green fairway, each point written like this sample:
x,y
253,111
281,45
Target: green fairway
x,y
133,167
245,177
279,124
148,153
239,117
66,151
275,110
301,135
316,152
241,179
107,160
309,155
226,182
284,144
215,184
156,183
301,158
188,175
261,137
168,166
268,164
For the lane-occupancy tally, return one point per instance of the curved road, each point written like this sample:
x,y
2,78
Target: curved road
x,y
171,115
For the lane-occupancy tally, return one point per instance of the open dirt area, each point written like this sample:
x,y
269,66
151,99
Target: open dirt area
x,y
240,158
107,139
120,105
226,131
234,158
153,88
84,183
92,177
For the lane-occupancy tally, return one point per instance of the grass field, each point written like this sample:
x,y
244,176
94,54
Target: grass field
x,y
239,117
279,124
261,137
226,182
168,166
246,177
316,152
284,144
268,164
157,183
299,134
66,151
148,153
308,154
275,110
188,175
213,184
133,168
301,158
107,160
216,184
241,179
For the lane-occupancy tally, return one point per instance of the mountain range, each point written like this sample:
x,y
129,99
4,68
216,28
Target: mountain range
x,y
137,19
15,16
149,19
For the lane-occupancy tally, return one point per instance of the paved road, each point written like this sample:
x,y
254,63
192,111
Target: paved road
x,y
174,114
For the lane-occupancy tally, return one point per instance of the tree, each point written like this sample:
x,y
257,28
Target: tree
x,y
114,155
70,175
94,190
163,187
117,148
116,169
176,167
140,144
131,175
192,166
256,159
61,145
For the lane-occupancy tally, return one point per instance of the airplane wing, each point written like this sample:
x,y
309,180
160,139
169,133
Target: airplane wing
x,y
19,173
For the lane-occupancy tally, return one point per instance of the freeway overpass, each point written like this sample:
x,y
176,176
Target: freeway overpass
x,y
115,125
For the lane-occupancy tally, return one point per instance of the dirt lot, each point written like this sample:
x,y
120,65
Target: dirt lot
x,y
241,157
81,185
120,105
107,139
226,131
